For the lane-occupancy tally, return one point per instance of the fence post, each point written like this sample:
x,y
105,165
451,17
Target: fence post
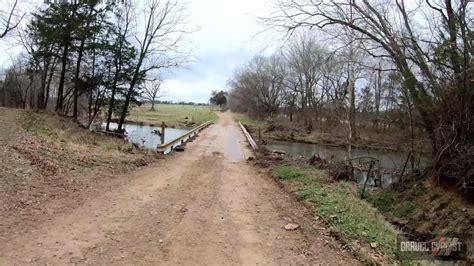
x,y
366,180
162,136
404,167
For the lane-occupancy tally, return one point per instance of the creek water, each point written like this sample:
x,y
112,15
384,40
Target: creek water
x,y
391,163
144,136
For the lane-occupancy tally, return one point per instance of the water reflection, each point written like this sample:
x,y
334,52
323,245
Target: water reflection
x,y
390,162
144,136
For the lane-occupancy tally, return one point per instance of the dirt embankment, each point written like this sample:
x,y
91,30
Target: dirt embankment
x,y
424,208
46,159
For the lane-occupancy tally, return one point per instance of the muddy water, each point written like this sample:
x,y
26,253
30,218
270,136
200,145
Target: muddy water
x,y
391,163
144,136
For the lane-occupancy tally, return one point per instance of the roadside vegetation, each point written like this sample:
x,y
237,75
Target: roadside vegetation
x,y
247,121
173,115
417,209
47,158
370,225
347,75
421,209
350,218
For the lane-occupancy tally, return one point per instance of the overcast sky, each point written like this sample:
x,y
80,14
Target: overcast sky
x,y
225,39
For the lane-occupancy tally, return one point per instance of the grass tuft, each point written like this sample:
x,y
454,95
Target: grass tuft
x,y
289,172
386,202
383,201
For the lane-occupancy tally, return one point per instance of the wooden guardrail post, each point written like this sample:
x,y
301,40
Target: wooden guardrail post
x,y
162,136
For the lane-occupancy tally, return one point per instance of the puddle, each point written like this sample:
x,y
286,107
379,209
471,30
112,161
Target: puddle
x,y
232,147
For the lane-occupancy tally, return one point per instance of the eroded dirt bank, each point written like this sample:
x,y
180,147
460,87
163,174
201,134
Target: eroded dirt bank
x,y
204,206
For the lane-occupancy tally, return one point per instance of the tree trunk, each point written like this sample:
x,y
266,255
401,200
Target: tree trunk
x,y
352,113
48,86
59,100
111,107
76,79
41,91
126,104
378,93
78,65
412,138
128,97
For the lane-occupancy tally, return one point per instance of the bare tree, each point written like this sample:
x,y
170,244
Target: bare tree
x,y
159,44
19,84
124,18
304,59
259,86
9,19
152,91
435,62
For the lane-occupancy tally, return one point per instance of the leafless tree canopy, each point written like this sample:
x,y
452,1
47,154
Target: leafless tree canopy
x,y
425,47
152,91
163,29
10,18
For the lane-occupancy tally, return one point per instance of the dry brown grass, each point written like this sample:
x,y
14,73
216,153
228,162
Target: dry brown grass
x,y
47,157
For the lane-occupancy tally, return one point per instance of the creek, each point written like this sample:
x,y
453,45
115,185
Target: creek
x,y
145,136
391,163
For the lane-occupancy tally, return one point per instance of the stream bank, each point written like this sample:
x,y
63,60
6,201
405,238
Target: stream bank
x,y
348,218
419,209
390,164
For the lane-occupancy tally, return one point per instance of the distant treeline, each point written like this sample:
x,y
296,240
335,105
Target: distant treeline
x,y
181,103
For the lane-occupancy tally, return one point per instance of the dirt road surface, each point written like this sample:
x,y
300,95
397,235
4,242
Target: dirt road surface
x,y
205,206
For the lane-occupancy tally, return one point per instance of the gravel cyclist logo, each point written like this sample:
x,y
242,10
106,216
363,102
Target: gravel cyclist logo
x,y
445,248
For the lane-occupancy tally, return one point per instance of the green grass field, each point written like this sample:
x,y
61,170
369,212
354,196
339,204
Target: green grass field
x,y
173,114
244,119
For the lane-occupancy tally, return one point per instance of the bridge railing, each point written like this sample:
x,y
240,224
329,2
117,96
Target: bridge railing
x,y
249,137
171,145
